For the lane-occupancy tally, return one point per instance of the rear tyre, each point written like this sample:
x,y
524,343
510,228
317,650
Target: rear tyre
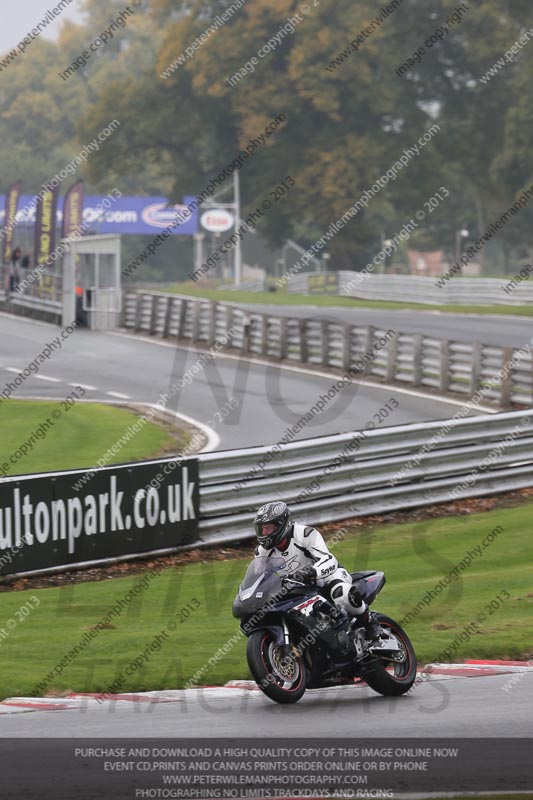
x,y
284,680
394,675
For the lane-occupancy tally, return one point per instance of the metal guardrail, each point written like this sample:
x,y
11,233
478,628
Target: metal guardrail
x,y
504,374
423,289
29,306
257,285
395,468
41,299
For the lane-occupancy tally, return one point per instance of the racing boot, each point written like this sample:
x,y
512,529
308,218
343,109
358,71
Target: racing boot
x,y
364,617
367,621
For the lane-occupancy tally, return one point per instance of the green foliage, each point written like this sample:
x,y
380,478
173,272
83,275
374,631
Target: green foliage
x,y
345,126
282,298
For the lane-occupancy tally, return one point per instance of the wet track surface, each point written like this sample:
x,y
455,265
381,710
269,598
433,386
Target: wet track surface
x,y
123,368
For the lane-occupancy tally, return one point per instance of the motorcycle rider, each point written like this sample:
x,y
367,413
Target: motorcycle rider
x,y
308,559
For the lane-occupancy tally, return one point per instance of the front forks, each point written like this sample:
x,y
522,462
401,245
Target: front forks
x,y
286,648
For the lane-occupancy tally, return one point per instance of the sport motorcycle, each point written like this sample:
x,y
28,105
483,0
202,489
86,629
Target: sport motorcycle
x,y
298,639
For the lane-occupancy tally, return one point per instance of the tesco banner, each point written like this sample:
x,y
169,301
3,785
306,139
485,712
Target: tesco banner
x,y
134,215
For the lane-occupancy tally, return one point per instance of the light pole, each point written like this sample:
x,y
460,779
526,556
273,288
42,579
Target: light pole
x,y
199,251
237,201
461,234
386,262
223,267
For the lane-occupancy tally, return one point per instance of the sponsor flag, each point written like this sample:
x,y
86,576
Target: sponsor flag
x,y
45,225
11,207
73,211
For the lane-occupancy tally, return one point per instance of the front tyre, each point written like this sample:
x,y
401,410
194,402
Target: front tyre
x,y
394,674
281,678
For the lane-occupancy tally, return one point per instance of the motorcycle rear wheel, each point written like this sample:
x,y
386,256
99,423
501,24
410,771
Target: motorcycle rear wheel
x,y
393,678
283,683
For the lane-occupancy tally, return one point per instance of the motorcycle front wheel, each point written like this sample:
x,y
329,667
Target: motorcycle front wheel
x,y
282,678
395,674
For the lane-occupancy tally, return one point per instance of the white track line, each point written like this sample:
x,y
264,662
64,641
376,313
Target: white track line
x,y
213,439
119,395
85,386
48,378
37,377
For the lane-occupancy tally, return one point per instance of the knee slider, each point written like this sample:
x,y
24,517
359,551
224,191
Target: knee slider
x,y
340,596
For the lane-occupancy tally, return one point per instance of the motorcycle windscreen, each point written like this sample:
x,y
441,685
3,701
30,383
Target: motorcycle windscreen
x,y
260,584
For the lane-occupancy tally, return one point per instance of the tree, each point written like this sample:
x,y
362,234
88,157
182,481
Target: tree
x,y
171,77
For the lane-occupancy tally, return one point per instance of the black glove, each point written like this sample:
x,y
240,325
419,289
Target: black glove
x,y
305,575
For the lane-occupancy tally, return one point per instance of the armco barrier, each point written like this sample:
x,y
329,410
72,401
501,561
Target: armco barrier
x,y
422,289
505,374
37,308
40,299
325,479
366,472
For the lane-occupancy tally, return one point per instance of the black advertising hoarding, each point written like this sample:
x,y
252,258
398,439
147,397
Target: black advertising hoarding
x,y
73,211
257,766
45,225
323,283
12,202
62,518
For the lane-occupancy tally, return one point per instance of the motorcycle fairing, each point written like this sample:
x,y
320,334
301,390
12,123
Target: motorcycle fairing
x,y
369,584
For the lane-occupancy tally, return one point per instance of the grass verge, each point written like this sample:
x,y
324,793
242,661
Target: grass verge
x,y
78,438
414,556
282,298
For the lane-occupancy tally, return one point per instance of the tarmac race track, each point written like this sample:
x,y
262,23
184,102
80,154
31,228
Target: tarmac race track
x,y
504,330
449,707
115,367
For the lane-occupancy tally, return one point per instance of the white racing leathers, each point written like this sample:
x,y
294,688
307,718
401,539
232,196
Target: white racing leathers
x,y
305,548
